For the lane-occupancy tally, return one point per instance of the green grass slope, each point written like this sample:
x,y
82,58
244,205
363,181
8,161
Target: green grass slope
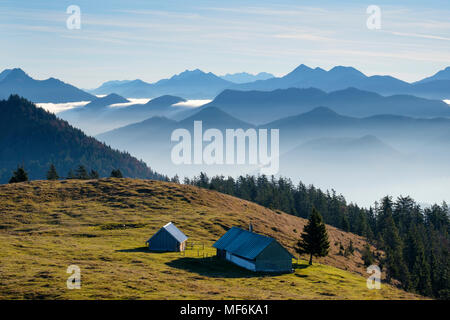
x,y
102,225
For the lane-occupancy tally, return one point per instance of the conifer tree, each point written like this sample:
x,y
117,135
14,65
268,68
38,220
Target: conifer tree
x,y
314,239
367,256
116,173
81,173
421,280
20,175
52,174
393,246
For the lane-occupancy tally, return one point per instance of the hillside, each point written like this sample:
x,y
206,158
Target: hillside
x,y
102,225
32,137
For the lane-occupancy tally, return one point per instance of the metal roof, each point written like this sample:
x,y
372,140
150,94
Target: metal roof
x,y
174,231
243,243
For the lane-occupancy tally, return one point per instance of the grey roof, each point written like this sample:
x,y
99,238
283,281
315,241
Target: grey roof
x,y
243,243
174,231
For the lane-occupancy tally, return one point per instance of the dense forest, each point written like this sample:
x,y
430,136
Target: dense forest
x,y
34,139
415,239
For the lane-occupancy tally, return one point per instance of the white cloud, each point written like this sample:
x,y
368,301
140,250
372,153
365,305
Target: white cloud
x,y
192,103
59,107
132,101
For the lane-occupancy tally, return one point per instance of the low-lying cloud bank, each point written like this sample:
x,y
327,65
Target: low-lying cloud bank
x,y
59,107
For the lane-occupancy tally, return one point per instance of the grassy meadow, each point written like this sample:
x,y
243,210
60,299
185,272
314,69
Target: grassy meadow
x,y
102,225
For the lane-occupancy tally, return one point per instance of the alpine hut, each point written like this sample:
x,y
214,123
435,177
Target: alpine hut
x,y
168,238
253,251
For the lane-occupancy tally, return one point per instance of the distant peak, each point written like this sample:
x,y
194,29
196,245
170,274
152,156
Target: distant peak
x,y
302,67
114,96
322,111
110,99
211,113
166,100
195,71
15,73
346,70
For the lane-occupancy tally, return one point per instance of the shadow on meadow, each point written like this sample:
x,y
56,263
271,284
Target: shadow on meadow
x,y
140,249
216,268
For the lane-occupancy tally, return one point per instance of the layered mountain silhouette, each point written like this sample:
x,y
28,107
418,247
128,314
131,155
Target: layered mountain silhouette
x,y
35,139
336,152
151,139
244,77
320,129
264,106
102,102
210,118
99,116
404,132
16,81
191,84
340,77
196,84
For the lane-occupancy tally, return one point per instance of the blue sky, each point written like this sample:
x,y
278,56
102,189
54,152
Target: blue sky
x,y
151,40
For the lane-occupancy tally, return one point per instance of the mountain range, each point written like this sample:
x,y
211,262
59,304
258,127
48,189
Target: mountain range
x,y
340,77
197,84
380,134
151,139
256,107
264,106
101,115
16,81
191,84
244,77
34,138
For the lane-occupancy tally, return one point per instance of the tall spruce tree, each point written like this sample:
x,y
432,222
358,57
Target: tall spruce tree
x,y
81,173
20,175
314,239
393,246
421,280
52,174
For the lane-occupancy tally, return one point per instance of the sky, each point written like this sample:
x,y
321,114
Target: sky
x,y
151,40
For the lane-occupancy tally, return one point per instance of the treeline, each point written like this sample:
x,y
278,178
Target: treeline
x,y
81,173
415,239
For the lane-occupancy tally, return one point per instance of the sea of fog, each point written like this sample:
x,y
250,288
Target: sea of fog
x,y
59,107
